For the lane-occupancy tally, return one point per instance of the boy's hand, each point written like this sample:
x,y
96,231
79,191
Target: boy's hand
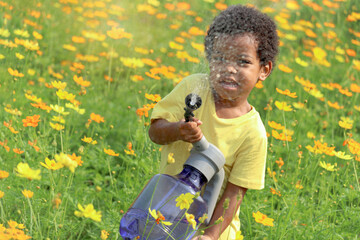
x,y
202,237
190,131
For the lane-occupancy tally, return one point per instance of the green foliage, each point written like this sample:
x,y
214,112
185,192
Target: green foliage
x,y
48,42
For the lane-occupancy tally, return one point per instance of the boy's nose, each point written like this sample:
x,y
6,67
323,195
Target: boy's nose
x,y
231,69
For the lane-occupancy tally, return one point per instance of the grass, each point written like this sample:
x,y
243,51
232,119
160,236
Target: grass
x,y
52,41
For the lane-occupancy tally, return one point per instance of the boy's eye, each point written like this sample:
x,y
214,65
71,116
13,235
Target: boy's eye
x,y
218,59
243,61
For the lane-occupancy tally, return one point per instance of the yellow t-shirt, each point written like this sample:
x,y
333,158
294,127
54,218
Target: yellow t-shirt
x,y
242,140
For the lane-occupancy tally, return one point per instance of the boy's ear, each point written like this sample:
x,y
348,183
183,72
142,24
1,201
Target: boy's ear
x,y
265,71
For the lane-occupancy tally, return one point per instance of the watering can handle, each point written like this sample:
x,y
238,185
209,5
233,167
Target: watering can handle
x,y
201,145
212,192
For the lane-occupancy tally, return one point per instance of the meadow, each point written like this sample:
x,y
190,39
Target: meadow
x,y
79,79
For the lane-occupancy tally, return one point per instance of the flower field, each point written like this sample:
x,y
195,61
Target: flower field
x,y
79,79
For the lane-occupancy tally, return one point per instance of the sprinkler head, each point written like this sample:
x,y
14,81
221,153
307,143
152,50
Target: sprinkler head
x,y
192,102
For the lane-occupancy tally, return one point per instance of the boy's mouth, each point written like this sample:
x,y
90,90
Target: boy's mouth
x,y
229,84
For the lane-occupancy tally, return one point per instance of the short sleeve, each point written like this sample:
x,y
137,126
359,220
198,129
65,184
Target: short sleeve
x,y
248,170
171,106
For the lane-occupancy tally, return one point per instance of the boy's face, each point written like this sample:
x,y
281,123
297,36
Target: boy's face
x,y
235,67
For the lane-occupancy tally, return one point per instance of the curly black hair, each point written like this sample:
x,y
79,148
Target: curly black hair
x,y
240,19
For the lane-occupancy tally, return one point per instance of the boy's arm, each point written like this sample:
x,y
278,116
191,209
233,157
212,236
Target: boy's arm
x,y
164,132
235,194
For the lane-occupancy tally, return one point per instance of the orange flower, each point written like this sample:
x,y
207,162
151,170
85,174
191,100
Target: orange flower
x,y
286,92
18,150
220,6
280,162
8,125
284,68
153,97
27,193
42,106
15,73
281,136
3,174
275,192
96,117
275,125
111,152
335,105
263,219
76,159
195,31
130,151
81,81
355,88
181,6
31,121
4,144
351,52
33,144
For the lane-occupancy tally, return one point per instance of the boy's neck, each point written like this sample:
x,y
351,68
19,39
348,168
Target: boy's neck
x,y
231,108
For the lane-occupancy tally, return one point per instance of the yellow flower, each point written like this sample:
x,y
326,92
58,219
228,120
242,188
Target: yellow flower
x,y
2,194
75,107
89,140
104,234
65,95
283,106
59,109
23,170
111,152
191,220
171,158
57,126
327,166
65,160
263,219
51,164
19,56
88,212
239,236
346,122
184,200
27,193
159,218
342,155
59,84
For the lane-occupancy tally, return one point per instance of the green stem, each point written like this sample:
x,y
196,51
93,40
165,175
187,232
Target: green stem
x,y
32,215
356,176
2,212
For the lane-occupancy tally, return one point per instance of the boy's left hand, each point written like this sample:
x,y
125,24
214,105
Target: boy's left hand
x,y
202,237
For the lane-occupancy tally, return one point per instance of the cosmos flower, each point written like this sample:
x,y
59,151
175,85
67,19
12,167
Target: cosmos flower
x,y
88,212
31,121
51,164
66,161
23,170
191,220
327,166
159,218
27,193
3,174
111,152
263,219
184,200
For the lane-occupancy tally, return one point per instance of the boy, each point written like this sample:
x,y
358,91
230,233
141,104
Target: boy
x,y
241,46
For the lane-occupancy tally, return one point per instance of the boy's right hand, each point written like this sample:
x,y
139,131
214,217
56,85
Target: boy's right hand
x,y
190,131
